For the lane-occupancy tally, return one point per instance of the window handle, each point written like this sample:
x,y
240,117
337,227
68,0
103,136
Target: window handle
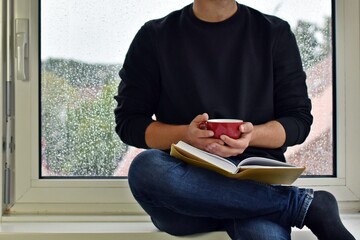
x,y
22,47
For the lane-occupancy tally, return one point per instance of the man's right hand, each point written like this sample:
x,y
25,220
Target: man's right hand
x,y
197,135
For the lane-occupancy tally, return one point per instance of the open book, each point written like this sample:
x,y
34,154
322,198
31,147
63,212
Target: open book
x,y
254,168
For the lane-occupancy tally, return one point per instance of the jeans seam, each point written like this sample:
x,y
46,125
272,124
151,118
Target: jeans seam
x,y
236,231
309,195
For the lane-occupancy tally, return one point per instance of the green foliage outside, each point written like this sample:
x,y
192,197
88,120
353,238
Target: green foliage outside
x,y
78,128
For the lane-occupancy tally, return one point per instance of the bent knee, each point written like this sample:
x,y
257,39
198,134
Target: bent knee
x,y
145,168
147,159
173,228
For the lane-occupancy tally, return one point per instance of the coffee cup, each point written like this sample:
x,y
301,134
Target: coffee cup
x,y
229,127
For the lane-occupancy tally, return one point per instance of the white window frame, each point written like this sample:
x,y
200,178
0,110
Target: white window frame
x,y
112,197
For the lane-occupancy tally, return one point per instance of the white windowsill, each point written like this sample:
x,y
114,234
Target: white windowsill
x,y
91,230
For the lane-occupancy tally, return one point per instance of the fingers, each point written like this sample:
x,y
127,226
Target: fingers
x,y
198,136
233,147
238,144
197,127
225,150
201,118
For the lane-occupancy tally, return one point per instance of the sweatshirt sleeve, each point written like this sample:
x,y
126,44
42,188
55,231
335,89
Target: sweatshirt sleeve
x,y
138,90
292,104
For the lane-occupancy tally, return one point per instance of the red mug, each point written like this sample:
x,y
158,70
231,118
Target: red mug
x,y
229,127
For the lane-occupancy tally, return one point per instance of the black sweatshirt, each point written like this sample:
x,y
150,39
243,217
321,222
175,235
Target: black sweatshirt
x,y
246,67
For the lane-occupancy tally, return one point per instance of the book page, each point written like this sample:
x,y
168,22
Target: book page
x,y
260,161
208,157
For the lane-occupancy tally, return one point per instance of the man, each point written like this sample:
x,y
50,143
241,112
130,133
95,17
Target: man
x,y
218,59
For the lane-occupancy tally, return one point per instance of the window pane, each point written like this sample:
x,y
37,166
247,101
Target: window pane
x,y
83,44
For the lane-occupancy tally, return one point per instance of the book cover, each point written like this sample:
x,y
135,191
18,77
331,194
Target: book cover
x,y
254,168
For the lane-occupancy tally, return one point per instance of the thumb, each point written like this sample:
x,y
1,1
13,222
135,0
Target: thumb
x,y
246,127
199,121
201,118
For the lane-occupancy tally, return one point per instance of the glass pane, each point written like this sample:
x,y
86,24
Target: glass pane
x,y
83,45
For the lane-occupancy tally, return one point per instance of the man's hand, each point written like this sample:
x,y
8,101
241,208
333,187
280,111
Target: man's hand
x,y
198,136
232,147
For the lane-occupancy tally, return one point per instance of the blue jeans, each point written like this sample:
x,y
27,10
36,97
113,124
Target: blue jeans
x,y
182,199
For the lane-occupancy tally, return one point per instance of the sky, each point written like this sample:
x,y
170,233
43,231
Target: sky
x,y
100,31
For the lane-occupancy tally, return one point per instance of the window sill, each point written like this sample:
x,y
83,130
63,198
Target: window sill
x,y
12,229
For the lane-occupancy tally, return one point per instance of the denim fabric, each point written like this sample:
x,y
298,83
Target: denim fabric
x,y
257,229
183,199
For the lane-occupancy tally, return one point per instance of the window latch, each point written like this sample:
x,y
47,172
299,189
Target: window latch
x,y
22,48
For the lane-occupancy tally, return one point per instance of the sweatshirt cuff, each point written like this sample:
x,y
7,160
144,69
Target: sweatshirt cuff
x,y
134,132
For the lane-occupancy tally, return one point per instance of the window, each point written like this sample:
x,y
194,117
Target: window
x,y
33,193
83,45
